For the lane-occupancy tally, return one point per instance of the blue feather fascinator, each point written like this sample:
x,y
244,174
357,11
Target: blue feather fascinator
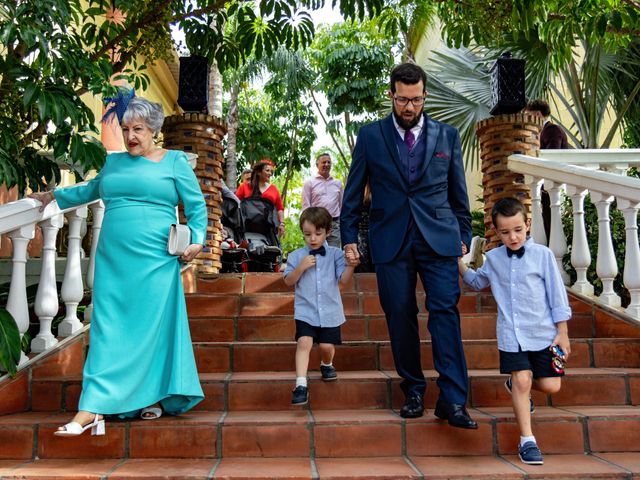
x,y
119,104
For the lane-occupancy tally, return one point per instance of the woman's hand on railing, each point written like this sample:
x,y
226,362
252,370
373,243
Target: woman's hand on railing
x,y
191,252
44,197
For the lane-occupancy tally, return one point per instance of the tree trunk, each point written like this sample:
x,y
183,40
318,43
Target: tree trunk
x,y
343,158
292,153
347,122
214,106
232,129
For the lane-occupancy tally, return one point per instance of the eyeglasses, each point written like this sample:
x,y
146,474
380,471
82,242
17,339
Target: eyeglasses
x,y
402,101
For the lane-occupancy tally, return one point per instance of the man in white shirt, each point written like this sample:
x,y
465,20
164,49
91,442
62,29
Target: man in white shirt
x,y
325,191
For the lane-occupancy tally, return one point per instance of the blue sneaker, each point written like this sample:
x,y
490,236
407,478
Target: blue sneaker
x,y
507,385
530,454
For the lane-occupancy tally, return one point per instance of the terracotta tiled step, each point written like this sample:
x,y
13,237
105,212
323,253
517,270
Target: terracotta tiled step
x,y
475,326
192,435
371,355
598,466
325,434
370,389
264,304
357,327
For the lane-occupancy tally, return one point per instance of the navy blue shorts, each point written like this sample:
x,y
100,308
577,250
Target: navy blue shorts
x,y
319,334
538,362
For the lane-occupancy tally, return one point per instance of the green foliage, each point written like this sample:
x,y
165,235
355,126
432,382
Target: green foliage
x,y
556,23
54,51
477,223
9,342
268,128
353,61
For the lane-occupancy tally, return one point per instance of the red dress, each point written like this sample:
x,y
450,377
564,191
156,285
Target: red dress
x,y
271,193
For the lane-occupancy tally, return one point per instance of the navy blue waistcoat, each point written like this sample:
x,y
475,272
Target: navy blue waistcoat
x,y
412,159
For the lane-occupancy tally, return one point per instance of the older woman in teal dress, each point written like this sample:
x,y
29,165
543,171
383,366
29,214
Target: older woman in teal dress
x,y
140,355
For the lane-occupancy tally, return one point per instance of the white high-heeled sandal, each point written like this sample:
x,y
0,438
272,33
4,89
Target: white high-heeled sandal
x,y
150,413
73,429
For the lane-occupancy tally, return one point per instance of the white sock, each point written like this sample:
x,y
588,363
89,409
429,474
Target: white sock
x,y
322,364
524,440
301,381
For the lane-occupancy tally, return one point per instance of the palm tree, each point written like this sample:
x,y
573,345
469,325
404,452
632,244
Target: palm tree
x,y
459,89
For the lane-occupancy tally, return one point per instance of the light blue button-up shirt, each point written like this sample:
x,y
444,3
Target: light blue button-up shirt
x,y
530,294
317,297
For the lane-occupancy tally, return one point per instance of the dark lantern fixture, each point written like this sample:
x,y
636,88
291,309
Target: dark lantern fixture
x,y
194,84
507,85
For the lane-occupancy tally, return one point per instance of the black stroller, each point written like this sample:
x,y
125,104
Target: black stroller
x,y
234,257
261,233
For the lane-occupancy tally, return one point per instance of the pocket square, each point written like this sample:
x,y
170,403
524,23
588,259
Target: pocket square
x,y
442,155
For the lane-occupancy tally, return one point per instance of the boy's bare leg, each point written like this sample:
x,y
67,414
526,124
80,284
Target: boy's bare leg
x,y
548,385
521,382
327,351
302,355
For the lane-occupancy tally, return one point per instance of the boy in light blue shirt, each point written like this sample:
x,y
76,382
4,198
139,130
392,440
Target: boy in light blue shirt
x,y
533,310
317,270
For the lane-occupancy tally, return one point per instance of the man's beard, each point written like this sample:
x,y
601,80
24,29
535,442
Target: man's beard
x,y
406,125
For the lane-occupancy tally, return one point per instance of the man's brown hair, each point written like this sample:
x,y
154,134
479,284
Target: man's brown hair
x,y
539,105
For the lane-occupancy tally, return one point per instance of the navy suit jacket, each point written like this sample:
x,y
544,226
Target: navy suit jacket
x,y
552,136
437,201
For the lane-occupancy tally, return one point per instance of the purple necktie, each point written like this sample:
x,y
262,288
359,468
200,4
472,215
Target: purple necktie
x,y
409,139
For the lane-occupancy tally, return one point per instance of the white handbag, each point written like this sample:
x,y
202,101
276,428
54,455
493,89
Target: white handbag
x,y
179,239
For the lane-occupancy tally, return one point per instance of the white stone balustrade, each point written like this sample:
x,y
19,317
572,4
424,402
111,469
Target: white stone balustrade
x,y
72,288
17,304
601,174
97,212
18,221
46,305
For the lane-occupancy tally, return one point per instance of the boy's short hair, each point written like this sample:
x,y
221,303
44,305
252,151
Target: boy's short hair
x,y
538,105
507,207
319,217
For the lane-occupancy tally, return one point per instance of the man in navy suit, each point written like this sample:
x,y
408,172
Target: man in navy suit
x,y
418,220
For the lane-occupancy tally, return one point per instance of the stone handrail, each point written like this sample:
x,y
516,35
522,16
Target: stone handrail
x,y
603,187
19,220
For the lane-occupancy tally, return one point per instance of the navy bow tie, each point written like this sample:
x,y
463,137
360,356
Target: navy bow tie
x,y
518,253
318,251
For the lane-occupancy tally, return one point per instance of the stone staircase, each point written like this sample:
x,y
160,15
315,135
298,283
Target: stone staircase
x,y
243,329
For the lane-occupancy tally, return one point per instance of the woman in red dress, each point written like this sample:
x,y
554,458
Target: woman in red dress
x,y
260,176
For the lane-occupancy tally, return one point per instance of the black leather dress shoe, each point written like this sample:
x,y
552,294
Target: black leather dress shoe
x,y
456,414
413,407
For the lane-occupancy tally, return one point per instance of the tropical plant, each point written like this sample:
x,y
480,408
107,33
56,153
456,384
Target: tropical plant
x,y
10,342
54,51
459,89
277,128
352,60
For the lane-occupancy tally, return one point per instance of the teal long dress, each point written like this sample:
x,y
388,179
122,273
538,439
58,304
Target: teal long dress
x,y
140,348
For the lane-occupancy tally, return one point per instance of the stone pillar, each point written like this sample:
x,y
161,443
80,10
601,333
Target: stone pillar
x,y
202,134
501,136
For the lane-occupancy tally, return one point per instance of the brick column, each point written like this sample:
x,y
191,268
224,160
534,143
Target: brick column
x,y
202,134
501,136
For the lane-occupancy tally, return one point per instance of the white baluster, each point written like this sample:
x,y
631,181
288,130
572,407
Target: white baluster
x,y
557,242
580,255
83,232
631,276
606,265
72,290
537,223
17,303
97,211
46,305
